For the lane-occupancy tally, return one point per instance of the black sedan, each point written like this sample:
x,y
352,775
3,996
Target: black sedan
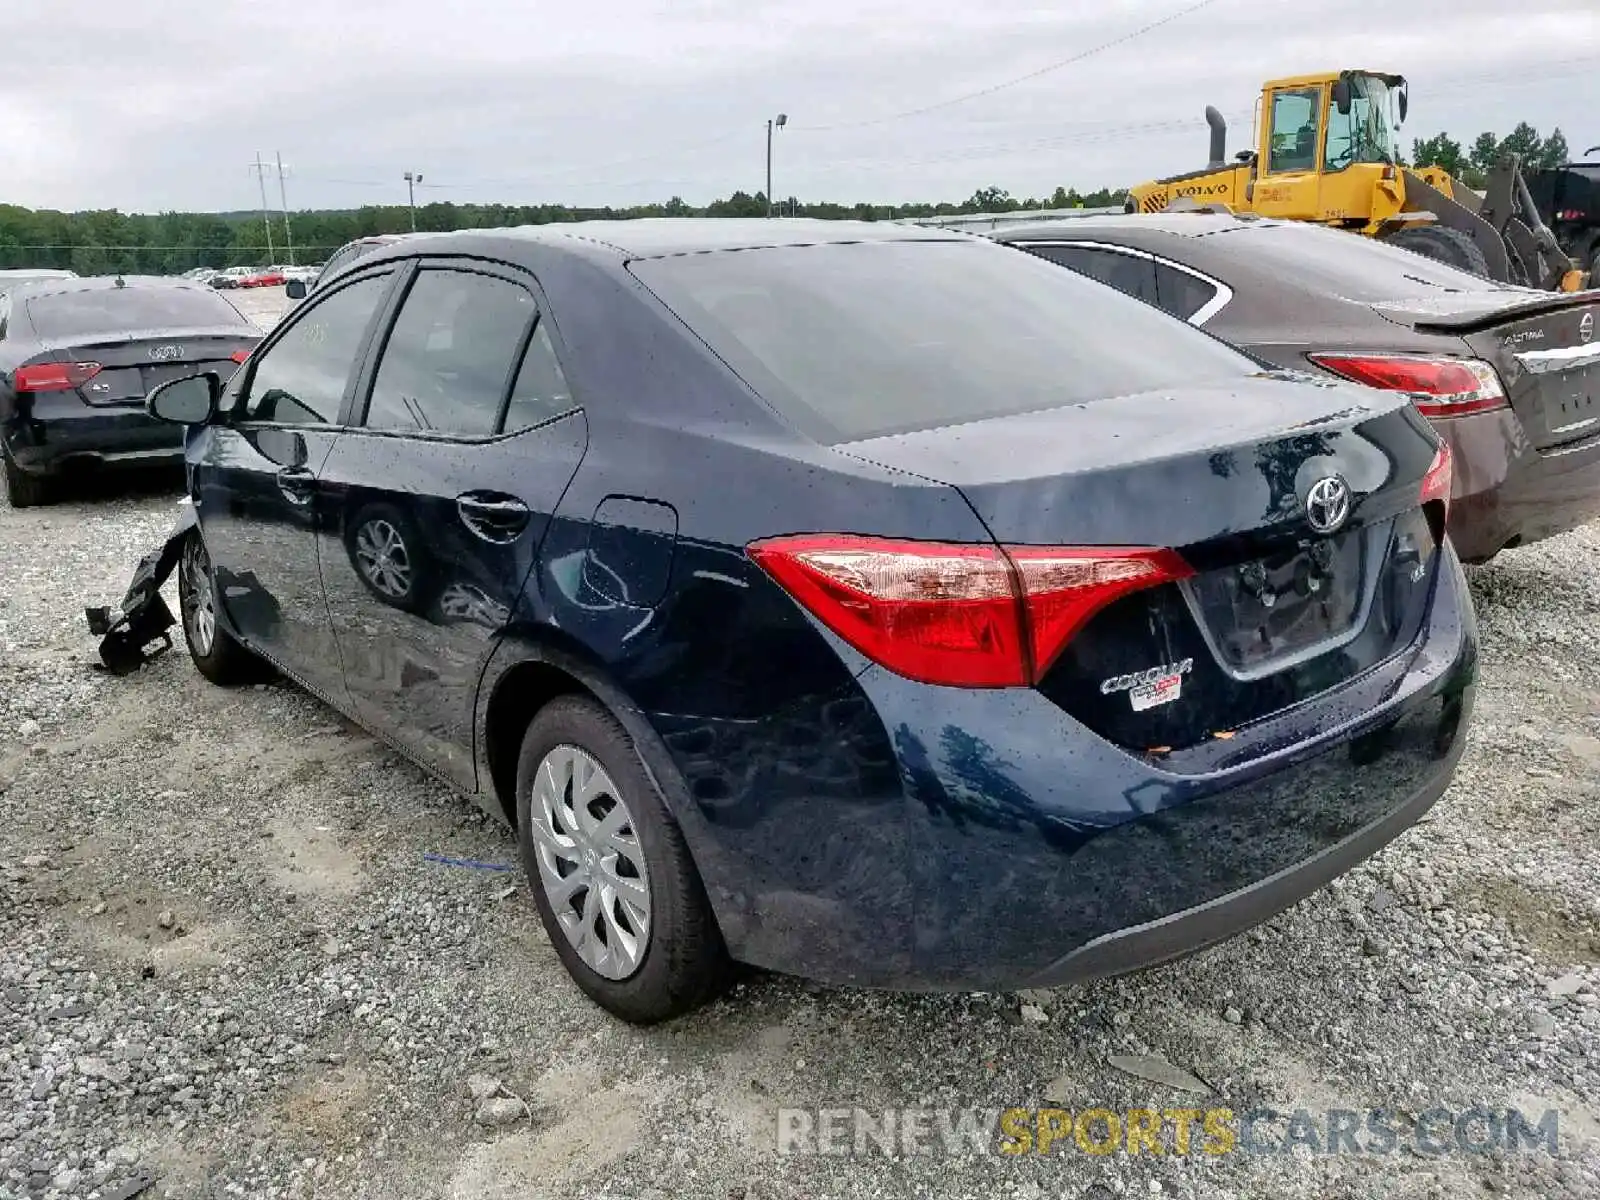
x,y
77,357
1510,377
872,604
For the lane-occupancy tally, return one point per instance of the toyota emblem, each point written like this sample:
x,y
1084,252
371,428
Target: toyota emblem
x,y
1586,327
1328,504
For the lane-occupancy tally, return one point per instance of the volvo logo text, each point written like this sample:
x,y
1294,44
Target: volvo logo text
x,y
1328,504
1586,327
166,353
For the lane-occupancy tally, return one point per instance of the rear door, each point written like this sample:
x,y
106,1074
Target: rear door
x,y
463,438
254,475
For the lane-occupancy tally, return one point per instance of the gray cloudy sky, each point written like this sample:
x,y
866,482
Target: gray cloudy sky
x,y
145,106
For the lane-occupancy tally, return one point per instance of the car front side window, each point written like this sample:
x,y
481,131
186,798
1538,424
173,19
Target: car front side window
x,y
301,378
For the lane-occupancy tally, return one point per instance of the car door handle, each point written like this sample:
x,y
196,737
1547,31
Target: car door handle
x,y
296,483
493,516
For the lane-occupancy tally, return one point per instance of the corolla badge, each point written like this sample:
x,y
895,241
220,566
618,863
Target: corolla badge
x,y
1586,327
166,353
1328,504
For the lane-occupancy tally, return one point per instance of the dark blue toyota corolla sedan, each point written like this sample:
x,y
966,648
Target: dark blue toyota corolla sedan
x,y
871,603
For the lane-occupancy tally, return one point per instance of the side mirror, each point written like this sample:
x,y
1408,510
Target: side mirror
x,y
295,289
282,446
1341,96
1401,99
188,401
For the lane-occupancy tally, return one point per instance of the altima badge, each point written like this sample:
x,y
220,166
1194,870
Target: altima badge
x,y
1328,504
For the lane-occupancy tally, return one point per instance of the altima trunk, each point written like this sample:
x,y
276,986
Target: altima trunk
x,y
1546,349
1298,506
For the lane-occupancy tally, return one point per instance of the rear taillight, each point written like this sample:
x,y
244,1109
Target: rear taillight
x,y
1439,387
239,356
1436,490
53,377
954,614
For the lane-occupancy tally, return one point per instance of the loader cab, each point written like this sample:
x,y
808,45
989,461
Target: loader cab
x,y
1325,142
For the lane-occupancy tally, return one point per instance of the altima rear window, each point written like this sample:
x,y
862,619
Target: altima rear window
x,y
119,310
860,340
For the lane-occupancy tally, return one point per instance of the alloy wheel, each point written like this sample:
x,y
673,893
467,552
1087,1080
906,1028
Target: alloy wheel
x,y
590,862
199,611
383,557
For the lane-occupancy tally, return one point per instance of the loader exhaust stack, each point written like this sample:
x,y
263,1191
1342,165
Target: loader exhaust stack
x,y
1219,137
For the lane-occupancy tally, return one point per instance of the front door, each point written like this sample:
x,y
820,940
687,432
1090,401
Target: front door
x,y
438,498
254,475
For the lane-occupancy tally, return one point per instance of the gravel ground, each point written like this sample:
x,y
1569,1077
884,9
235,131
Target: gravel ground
x,y
229,970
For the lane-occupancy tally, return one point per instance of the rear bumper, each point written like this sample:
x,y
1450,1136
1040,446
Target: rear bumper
x,y
924,838
55,434
1509,494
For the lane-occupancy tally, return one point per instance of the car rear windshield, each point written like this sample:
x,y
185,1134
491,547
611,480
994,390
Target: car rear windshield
x,y
859,340
1336,263
117,310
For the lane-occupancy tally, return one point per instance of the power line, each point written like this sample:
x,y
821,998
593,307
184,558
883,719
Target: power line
x,y
1010,83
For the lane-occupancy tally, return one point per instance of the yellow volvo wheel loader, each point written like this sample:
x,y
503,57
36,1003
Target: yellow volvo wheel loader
x,y
1327,151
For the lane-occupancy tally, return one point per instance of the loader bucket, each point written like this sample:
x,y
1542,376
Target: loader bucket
x,y
1422,196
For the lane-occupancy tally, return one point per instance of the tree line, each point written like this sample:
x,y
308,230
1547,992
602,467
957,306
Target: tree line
x,y
108,241
1471,163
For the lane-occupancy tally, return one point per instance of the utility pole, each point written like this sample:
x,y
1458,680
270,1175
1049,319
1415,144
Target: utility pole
x,y
283,195
779,121
266,216
412,179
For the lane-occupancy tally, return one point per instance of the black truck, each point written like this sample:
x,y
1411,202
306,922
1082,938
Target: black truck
x,y
1568,198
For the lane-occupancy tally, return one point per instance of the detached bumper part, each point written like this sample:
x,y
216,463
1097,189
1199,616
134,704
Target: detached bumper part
x,y
136,633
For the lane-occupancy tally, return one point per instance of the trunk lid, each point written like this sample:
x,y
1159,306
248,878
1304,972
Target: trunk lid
x,y
1278,609
133,363
1545,347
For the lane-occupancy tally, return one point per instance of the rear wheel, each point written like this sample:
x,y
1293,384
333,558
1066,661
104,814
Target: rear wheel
x,y
616,889
216,654
1449,246
22,489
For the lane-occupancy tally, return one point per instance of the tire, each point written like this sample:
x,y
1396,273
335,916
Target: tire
x,y
642,968
1449,246
22,489
216,654
390,557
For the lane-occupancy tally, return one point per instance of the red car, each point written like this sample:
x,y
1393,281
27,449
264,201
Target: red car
x,y
266,277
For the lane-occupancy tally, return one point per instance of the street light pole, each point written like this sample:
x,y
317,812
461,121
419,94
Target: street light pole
x,y
779,122
412,179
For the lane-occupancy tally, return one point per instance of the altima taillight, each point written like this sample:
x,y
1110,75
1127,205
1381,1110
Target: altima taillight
x,y
1439,387
957,614
53,377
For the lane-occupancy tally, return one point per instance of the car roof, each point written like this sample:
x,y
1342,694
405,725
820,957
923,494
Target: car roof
x,y
655,237
1179,224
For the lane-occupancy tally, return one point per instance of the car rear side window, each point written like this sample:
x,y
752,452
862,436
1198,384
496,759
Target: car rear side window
x,y
1181,293
1126,272
541,390
447,363
859,340
82,314
301,378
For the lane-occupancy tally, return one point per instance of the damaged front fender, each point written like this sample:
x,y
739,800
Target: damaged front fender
x,y
136,632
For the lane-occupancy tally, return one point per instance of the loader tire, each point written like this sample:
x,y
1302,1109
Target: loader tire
x,y
1449,246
